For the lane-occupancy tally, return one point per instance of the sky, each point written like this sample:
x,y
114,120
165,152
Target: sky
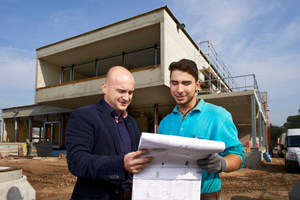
x,y
260,37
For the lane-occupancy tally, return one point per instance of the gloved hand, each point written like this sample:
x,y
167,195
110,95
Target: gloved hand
x,y
213,164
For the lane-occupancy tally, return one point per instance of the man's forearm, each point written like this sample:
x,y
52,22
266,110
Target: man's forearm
x,y
233,162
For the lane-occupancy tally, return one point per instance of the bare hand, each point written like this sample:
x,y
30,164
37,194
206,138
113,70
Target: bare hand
x,y
134,164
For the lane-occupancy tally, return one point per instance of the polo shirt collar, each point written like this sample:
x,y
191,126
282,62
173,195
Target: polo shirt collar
x,y
199,106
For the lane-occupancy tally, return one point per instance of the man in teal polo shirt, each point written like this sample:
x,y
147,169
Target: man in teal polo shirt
x,y
197,119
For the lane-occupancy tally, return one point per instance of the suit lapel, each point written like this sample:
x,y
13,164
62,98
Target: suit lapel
x,y
132,133
106,118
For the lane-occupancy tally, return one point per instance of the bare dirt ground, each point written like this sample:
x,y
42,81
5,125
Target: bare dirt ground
x,y
269,181
51,179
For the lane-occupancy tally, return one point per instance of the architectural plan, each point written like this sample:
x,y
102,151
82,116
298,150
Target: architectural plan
x,y
173,173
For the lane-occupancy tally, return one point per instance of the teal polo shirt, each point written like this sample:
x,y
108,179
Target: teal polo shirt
x,y
205,121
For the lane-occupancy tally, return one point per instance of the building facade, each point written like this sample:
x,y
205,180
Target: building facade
x,y
69,75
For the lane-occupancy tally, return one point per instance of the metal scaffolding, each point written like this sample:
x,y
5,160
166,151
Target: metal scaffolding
x,y
217,70
218,79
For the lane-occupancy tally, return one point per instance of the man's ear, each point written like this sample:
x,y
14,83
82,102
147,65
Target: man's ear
x,y
104,88
198,83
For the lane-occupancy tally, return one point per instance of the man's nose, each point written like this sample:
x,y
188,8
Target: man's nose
x,y
180,88
126,96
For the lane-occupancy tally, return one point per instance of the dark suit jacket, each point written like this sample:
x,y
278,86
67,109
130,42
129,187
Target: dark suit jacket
x,y
94,152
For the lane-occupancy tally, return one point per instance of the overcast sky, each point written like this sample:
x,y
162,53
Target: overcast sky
x,y
252,37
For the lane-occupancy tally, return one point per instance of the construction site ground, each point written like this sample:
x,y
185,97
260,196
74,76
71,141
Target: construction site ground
x,y
51,179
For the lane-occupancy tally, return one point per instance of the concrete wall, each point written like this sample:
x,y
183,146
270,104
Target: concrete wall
x,y
253,157
103,33
47,74
147,78
176,45
244,134
69,91
69,50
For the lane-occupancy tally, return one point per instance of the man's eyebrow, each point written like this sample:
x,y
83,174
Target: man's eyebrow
x,y
173,81
186,81
123,90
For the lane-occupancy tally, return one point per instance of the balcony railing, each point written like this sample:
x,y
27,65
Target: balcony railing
x,y
242,83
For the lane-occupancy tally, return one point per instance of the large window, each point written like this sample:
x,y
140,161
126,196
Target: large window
x,y
83,71
105,64
98,67
38,128
37,134
142,58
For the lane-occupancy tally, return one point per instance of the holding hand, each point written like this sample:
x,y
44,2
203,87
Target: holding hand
x,y
134,164
213,164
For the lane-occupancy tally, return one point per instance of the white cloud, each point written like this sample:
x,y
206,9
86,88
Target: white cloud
x,y
252,37
17,68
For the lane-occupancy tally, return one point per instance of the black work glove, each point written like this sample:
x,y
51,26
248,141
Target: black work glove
x,y
213,164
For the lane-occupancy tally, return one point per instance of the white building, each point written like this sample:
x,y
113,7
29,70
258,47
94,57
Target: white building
x,y
69,74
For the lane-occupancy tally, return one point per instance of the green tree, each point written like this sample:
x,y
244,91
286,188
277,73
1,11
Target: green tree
x,y
295,123
275,132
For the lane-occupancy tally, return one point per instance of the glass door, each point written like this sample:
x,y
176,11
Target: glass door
x,y
53,133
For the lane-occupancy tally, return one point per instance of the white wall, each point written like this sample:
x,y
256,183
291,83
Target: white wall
x,y
176,46
47,74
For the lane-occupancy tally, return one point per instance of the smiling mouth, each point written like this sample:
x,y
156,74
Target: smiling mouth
x,y
179,97
123,103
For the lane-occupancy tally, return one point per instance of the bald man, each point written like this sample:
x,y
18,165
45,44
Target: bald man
x,y
102,141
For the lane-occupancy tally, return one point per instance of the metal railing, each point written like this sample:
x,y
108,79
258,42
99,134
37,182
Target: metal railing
x,y
242,83
215,61
222,81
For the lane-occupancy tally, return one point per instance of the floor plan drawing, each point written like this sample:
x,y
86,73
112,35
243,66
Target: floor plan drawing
x,y
173,173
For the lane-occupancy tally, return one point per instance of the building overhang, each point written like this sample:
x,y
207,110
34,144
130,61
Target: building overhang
x,y
237,103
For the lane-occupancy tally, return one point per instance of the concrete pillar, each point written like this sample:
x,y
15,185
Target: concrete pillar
x,y
260,129
2,137
30,128
4,132
155,118
265,133
253,121
45,132
16,129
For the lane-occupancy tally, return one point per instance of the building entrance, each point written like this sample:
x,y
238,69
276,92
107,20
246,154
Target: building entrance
x,y
53,133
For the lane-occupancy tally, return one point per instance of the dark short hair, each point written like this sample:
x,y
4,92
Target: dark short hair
x,y
185,65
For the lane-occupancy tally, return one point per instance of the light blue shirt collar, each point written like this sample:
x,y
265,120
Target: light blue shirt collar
x,y
199,106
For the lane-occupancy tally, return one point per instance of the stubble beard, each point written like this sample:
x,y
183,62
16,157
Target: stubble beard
x,y
186,102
